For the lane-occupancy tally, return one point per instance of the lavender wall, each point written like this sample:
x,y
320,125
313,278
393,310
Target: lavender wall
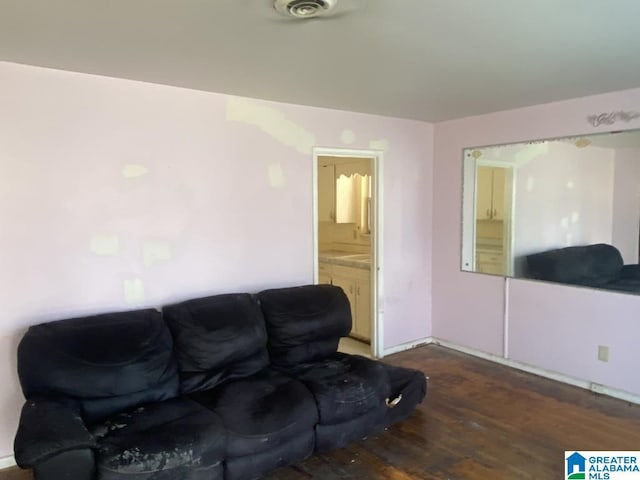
x,y
626,203
468,307
559,328
563,197
118,194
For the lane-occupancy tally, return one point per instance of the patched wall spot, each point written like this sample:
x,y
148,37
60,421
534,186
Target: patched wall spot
x,y
569,239
133,291
530,184
105,244
276,176
348,137
134,171
381,144
575,217
155,252
270,121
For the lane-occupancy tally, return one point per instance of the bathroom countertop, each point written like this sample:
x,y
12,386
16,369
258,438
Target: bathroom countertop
x,y
346,259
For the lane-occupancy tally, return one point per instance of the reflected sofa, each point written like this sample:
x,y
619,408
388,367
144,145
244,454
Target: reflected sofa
x,y
599,265
222,387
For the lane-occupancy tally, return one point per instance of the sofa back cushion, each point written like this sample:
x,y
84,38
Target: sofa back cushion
x,y
216,339
589,265
305,323
108,362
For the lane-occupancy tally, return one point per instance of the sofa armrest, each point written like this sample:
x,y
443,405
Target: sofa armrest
x,y
631,271
49,427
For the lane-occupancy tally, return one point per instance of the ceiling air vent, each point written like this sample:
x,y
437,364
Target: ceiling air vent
x,y
304,8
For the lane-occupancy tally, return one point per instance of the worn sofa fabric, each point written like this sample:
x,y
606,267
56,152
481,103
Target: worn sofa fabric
x,y
599,265
352,393
304,326
272,425
58,426
221,345
177,439
345,386
408,389
228,386
78,374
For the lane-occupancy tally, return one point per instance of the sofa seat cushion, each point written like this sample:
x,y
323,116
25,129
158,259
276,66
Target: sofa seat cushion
x,y
255,465
177,439
407,387
339,435
345,386
261,412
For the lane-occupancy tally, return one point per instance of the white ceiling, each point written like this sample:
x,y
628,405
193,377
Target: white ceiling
x,y
424,59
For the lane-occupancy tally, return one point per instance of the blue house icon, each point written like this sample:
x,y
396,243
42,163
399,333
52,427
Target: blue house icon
x,y
575,462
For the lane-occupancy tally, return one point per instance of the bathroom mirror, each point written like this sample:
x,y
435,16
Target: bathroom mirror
x,y
344,191
526,198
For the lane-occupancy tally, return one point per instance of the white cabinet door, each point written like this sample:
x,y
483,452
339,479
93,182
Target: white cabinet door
x,y
484,193
324,273
363,305
341,278
357,285
490,198
497,197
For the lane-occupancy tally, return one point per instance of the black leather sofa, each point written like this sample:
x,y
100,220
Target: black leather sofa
x,y
223,387
599,265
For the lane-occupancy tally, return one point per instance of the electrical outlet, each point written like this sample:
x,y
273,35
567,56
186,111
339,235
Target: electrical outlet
x,y
603,353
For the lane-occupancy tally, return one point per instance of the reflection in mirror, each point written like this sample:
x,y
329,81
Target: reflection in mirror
x,y
564,210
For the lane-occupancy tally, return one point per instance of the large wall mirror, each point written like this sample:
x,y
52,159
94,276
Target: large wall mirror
x,y
563,210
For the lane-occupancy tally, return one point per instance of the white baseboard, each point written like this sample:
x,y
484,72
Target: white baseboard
x,y
594,387
7,462
408,346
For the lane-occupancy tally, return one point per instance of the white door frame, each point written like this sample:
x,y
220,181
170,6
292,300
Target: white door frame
x,y
377,277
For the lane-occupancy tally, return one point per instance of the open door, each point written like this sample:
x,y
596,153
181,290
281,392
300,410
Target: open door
x,y
346,196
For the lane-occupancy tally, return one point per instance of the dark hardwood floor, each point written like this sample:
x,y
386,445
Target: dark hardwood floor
x,y
480,421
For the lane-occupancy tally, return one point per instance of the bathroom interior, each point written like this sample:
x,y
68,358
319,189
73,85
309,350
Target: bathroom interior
x,y
345,240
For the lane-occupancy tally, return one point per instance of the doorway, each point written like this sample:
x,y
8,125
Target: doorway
x,y
347,238
493,218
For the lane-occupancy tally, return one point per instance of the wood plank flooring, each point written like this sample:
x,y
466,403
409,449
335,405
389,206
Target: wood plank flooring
x,y
480,421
